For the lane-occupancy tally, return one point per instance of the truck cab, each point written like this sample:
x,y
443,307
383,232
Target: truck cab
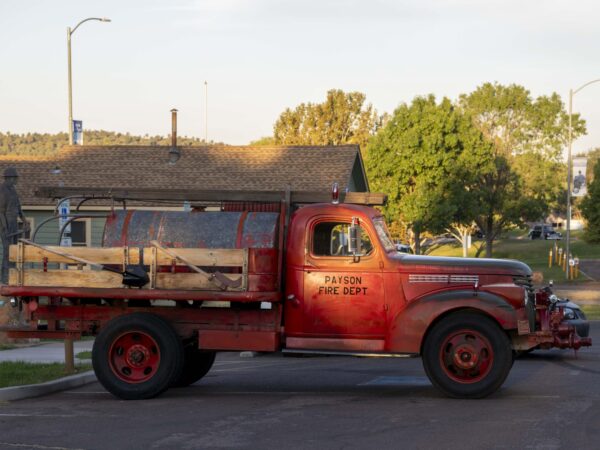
x,y
460,314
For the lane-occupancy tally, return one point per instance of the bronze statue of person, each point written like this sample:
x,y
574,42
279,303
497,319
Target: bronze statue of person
x,y
10,211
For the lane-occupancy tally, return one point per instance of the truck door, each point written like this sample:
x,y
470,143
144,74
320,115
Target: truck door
x,y
342,305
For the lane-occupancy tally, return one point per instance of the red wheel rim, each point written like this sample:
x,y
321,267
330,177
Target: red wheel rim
x,y
134,357
466,356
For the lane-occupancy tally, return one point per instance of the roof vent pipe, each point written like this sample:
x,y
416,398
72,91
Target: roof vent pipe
x,y
174,154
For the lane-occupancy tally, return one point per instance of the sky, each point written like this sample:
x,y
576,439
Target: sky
x,y
262,56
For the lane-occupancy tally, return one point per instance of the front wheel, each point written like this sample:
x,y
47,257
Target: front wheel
x,y
467,355
137,356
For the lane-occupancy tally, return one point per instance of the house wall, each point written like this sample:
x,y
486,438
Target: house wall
x,y
48,234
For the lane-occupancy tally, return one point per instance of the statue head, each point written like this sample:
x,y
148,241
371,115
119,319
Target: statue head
x,y
11,175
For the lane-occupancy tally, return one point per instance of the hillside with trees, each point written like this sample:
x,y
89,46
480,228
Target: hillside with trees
x,y
47,144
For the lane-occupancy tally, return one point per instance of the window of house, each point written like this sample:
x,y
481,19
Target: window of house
x,y
79,233
331,239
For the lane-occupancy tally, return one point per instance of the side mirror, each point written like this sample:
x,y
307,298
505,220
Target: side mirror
x,y
355,242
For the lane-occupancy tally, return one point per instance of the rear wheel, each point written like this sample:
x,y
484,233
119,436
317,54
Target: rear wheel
x,y
467,355
137,356
196,364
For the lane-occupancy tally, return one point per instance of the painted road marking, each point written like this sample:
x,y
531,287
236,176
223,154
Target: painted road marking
x,y
398,381
44,447
37,415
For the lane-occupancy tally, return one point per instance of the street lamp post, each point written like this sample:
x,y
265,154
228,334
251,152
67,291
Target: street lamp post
x,y
570,169
69,33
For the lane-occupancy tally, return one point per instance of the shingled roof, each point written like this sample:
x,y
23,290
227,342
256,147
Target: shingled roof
x,y
219,168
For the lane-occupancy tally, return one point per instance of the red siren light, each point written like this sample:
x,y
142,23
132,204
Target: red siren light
x,y
335,194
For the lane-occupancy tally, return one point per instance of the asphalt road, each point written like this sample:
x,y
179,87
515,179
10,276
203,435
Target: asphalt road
x,y
551,400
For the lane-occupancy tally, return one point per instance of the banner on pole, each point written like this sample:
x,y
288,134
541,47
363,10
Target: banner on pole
x,y
579,180
77,132
64,210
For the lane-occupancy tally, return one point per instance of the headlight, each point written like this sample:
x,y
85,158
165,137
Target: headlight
x,y
553,299
569,314
14,302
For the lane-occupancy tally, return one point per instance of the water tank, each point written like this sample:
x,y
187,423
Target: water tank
x,y
196,229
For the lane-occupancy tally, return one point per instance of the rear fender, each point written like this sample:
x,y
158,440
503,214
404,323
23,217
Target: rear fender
x,y
410,325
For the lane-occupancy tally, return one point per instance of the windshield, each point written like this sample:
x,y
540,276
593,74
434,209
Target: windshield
x,y
384,234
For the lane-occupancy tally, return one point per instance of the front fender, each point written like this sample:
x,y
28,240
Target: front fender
x,y
409,326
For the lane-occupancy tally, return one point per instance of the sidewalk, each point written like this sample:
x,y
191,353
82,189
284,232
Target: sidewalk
x,y
44,353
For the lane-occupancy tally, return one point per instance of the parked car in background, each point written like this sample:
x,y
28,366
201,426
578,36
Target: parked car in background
x,y
543,231
404,248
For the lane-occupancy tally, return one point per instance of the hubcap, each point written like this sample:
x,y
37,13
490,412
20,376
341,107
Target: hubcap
x,y
134,357
466,356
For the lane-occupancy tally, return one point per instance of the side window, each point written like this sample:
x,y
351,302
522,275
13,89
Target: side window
x,y
331,239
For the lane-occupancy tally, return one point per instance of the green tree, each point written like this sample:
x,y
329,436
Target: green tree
x,y
590,208
527,137
593,156
265,140
343,118
426,159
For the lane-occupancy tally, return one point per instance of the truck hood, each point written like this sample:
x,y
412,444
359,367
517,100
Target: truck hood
x,y
462,265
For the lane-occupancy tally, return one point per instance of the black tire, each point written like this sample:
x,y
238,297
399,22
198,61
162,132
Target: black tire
x,y
467,355
137,356
521,353
196,364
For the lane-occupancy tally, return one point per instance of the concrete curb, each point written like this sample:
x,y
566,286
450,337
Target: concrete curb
x,y
37,390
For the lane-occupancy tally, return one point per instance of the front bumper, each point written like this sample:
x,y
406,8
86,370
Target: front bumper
x,y
552,328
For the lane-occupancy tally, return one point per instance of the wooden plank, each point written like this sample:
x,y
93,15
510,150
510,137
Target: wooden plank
x,y
203,257
364,198
190,281
109,255
68,278
152,273
114,255
20,261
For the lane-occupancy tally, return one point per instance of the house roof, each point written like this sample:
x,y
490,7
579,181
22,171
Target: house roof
x,y
207,168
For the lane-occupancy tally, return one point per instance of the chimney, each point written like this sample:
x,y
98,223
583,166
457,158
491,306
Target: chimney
x,y
174,154
173,127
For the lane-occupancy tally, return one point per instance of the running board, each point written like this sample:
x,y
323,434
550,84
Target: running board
x,y
361,354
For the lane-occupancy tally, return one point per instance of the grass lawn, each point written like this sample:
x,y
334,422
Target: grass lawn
x,y
534,253
21,373
592,312
84,355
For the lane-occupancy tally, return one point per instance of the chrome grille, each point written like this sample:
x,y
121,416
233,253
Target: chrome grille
x,y
527,283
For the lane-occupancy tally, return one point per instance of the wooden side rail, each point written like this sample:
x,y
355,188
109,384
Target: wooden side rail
x,y
48,272
114,255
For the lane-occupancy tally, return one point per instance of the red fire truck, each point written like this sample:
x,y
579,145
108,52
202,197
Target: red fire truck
x,y
275,272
